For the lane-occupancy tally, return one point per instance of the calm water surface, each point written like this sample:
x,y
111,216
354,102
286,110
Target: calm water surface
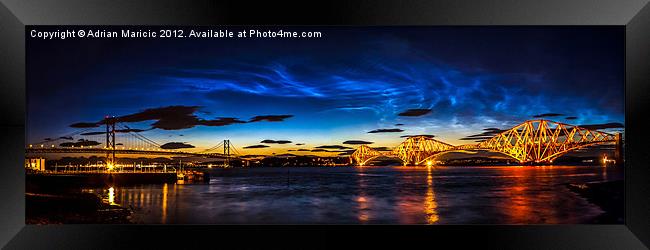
x,y
385,195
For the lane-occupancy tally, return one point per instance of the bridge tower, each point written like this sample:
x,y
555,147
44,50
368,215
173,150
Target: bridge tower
x,y
618,153
226,152
110,141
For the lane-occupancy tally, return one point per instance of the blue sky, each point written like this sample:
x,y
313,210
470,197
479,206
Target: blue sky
x,y
336,88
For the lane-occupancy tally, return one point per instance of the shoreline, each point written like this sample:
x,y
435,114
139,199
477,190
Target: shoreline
x,y
73,208
607,195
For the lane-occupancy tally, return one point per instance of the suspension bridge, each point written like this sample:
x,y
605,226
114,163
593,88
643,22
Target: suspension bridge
x,y
531,142
119,139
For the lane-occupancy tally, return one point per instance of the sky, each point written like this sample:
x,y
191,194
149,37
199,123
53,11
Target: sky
x,y
354,85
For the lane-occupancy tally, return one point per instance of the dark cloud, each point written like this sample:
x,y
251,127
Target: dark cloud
x,y
547,115
47,139
135,130
166,118
300,144
164,114
320,150
275,142
119,144
386,130
80,143
346,152
129,130
270,118
176,145
93,133
399,124
493,130
490,132
382,149
487,134
476,139
66,137
221,121
333,147
415,112
602,126
252,156
257,146
571,118
303,149
84,125
407,136
357,142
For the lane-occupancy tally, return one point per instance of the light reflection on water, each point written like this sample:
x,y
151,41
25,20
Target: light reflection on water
x,y
430,204
111,196
362,200
392,195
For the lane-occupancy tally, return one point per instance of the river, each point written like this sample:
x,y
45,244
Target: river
x,y
370,195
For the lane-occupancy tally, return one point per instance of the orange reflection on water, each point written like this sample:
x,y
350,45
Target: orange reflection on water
x,y
164,204
142,200
111,196
430,204
363,207
518,207
416,205
362,202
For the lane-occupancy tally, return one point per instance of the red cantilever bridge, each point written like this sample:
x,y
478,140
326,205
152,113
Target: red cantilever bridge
x,y
533,141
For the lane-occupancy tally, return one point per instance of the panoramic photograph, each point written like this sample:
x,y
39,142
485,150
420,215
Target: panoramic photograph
x,y
325,125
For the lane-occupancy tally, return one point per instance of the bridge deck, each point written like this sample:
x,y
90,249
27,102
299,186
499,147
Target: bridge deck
x,y
121,151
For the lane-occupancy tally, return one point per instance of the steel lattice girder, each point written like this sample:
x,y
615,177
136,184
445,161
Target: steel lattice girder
x,y
531,141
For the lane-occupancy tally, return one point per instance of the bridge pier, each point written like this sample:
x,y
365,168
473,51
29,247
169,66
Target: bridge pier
x,y
618,153
226,152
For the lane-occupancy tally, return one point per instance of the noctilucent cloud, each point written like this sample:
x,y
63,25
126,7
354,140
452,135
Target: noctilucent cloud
x,y
353,84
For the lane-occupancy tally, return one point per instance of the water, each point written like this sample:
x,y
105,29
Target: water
x,y
372,195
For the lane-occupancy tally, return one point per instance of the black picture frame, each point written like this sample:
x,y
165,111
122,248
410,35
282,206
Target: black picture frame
x,y
16,14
